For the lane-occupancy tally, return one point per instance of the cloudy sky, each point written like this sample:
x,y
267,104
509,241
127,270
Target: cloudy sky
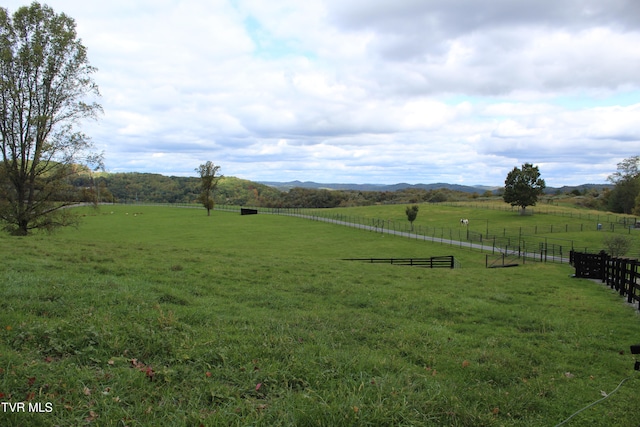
x,y
375,91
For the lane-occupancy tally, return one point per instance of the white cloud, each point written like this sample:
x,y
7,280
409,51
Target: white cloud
x,y
365,91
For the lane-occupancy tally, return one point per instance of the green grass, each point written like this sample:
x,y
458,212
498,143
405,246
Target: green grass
x,y
169,318
570,230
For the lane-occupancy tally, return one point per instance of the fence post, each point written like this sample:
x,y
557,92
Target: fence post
x,y
627,278
622,272
633,281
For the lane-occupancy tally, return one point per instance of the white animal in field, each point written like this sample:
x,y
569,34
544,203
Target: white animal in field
x,y
464,221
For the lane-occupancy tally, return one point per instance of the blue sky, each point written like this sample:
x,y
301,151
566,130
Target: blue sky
x,y
417,91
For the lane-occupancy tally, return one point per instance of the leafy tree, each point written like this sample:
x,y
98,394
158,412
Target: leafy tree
x,y
523,186
45,79
210,181
624,196
412,214
617,245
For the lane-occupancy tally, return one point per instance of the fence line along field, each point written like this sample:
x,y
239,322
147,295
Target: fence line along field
x,y
162,316
559,229
545,237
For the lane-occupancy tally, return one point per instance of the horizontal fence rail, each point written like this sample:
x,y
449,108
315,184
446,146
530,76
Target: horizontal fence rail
x,y
448,261
621,274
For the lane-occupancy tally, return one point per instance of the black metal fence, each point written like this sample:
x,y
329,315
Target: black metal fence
x,y
448,261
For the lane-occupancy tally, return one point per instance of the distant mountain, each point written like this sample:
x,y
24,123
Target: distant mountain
x,y
285,186
581,188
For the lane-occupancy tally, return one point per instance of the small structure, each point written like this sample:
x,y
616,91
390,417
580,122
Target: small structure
x,y
245,211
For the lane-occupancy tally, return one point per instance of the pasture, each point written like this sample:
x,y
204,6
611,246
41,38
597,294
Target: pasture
x,y
550,225
156,316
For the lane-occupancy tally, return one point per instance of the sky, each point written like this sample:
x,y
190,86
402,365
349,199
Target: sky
x,y
355,91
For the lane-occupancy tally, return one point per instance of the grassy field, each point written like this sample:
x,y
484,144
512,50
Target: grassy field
x,y
553,225
155,316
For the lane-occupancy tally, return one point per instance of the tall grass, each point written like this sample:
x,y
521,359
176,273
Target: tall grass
x,y
157,316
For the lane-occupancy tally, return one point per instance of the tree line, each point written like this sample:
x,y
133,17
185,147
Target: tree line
x,y
133,187
625,195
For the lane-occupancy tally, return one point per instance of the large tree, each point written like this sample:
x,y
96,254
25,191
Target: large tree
x,y
210,181
523,186
45,91
625,195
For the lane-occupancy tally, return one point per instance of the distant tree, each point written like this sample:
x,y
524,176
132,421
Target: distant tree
x,y
209,182
523,186
45,78
412,214
437,196
623,198
617,245
636,209
313,198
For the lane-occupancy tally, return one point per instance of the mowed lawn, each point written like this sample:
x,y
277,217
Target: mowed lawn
x,y
157,316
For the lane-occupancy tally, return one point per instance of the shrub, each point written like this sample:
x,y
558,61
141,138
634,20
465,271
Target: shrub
x,y
617,245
